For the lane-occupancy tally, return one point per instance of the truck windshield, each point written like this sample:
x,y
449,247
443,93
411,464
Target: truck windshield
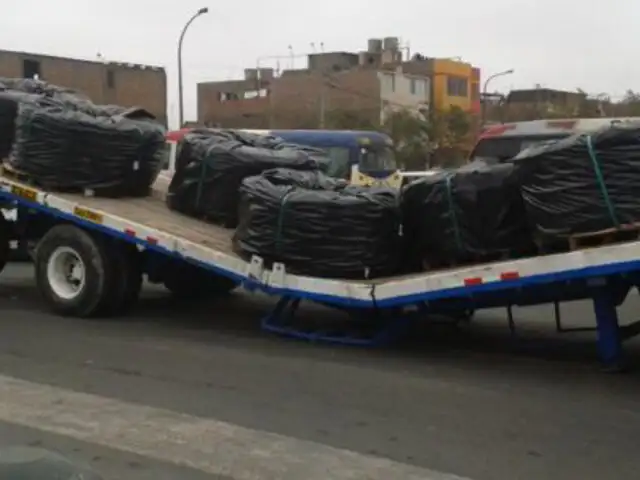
x,y
378,158
500,149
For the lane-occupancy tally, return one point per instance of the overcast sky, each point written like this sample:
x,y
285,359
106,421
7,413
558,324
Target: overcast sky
x,y
556,43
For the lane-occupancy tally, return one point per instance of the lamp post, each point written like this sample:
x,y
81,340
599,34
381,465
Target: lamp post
x,y
484,90
202,11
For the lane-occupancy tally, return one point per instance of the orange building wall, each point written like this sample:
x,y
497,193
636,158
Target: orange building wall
x,y
443,70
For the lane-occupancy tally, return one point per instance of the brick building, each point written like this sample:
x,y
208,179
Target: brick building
x,y
531,104
370,83
104,82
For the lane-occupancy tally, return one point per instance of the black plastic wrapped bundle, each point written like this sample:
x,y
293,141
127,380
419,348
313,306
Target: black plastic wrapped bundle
x,y
62,149
584,183
319,226
211,165
9,103
472,213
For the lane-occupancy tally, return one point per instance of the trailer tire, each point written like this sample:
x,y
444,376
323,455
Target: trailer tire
x,y
127,279
73,272
5,242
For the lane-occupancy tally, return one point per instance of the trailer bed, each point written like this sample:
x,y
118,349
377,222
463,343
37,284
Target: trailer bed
x,y
152,212
149,223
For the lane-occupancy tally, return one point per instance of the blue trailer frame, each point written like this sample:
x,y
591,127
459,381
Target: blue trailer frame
x,y
604,274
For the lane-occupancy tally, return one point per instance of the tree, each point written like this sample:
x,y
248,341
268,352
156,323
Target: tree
x,y
452,132
630,104
351,120
411,133
426,139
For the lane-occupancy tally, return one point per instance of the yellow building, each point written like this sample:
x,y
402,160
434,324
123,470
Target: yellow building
x,y
453,84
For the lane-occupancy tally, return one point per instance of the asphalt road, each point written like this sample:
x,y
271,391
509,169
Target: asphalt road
x,y
192,393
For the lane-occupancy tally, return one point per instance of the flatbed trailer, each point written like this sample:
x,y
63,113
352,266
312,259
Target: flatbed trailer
x,y
109,244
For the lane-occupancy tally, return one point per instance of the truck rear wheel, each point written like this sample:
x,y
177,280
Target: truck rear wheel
x,y
73,271
127,281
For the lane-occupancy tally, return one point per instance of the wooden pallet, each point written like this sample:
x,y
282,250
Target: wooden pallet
x,y
10,172
468,262
623,233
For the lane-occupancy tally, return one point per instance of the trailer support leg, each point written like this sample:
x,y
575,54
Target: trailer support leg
x,y
511,321
609,337
557,317
365,329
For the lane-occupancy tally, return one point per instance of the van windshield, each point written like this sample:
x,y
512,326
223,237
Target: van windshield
x,y
378,158
500,149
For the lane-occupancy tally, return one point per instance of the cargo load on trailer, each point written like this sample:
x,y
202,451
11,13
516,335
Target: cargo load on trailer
x,y
318,225
473,213
10,100
63,149
585,183
212,164
58,139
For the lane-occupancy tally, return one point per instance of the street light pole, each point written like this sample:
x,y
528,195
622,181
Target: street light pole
x,y
202,11
484,90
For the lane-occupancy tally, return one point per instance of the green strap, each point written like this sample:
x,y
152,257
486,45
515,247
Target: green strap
x,y
280,221
601,184
452,212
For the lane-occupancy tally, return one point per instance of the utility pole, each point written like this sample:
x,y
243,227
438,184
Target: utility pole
x,y
323,102
202,11
483,104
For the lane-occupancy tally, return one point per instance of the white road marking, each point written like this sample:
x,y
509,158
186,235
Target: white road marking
x,y
202,443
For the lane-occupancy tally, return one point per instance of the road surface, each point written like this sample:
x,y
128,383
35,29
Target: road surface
x,y
200,393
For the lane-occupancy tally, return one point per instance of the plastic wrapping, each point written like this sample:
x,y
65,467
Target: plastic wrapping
x,y
39,87
470,214
62,149
319,226
13,92
9,103
584,183
211,165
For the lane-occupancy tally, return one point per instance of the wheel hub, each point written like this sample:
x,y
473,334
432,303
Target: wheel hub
x,y
66,273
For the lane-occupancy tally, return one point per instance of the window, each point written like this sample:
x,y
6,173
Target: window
x,y
340,166
503,148
111,79
31,69
254,93
412,86
457,87
378,158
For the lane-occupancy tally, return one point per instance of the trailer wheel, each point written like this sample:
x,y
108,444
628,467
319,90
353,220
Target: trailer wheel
x,y
127,279
5,241
73,272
